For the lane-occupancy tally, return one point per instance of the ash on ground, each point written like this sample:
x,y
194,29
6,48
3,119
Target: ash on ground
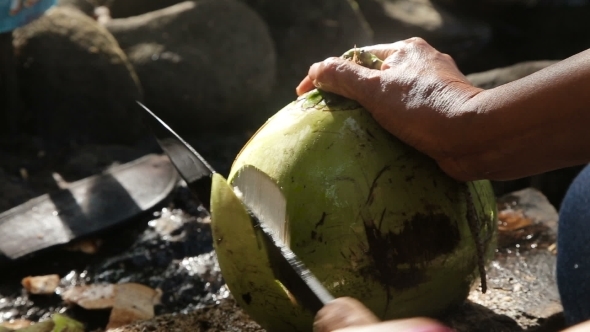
x,y
171,251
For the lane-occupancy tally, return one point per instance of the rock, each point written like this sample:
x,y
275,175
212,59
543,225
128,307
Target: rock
x,y
305,32
85,6
127,8
76,83
496,77
459,35
531,30
204,65
498,5
546,32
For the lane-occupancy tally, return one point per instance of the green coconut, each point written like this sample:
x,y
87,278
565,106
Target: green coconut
x,y
370,216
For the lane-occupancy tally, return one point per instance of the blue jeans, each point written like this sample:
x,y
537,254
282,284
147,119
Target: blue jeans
x,y
573,250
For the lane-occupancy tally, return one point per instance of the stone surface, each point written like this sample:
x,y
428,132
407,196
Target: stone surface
x,y
539,30
85,6
495,5
451,32
305,32
76,83
204,65
127,8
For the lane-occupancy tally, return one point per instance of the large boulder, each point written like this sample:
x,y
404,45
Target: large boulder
x,y
85,6
207,62
491,6
459,35
526,30
126,8
309,31
76,83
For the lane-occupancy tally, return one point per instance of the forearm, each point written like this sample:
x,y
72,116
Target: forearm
x,y
532,125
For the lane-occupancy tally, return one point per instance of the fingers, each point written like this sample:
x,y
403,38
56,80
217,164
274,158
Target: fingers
x,y
346,314
357,82
342,312
579,328
402,325
382,51
345,78
305,86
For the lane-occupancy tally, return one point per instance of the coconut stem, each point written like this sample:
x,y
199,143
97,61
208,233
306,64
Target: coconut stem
x,y
363,58
360,57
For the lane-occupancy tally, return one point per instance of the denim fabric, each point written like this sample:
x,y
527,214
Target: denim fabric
x,y
573,250
16,13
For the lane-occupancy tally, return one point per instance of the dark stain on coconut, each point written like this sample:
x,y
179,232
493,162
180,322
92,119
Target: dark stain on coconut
x,y
247,298
374,184
321,221
314,234
423,238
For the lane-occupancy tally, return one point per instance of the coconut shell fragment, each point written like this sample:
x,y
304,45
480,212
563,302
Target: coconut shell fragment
x,y
129,301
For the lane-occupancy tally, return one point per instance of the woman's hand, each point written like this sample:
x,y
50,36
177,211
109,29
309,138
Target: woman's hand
x,y
346,314
418,95
532,125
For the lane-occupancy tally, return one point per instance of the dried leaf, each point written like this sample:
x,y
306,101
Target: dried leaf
x,y
511,220
130,301
133,302
41,284
91,296
15,324
87,246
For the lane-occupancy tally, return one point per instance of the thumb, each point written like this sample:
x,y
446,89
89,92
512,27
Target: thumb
x,y
345,78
